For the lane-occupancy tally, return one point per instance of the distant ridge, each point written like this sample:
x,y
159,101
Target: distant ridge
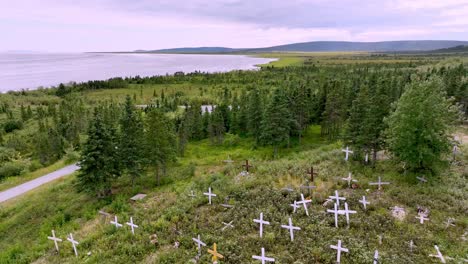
x,y
189,50
456,49
328,46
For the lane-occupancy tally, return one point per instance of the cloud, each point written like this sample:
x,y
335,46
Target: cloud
x,y
65,25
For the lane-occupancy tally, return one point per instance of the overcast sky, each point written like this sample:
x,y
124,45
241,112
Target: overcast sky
x,y
113,25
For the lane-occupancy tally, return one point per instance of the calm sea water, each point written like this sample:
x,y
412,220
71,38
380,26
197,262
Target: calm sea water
x,y
30,71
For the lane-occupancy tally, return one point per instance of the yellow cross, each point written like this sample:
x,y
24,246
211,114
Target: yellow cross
x,y
215,253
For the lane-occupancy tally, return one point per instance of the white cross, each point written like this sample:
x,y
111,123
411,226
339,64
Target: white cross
x,y
261,222
337,198
115,222
199,243
209,194
304,203
226,225
336,212
367,157
263,258
346,212
55,239
421,218
347,151
294,206
339,249
132,225
449,222
349,179
291,228
379,183
192,194
421,179
411,246
74,243
376,257
364,202
439,255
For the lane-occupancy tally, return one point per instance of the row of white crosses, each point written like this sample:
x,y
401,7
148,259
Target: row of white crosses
x,y
75,243
69,239
347,151
262,222
130,224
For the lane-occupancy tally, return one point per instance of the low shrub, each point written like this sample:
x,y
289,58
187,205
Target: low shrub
x,y
10,169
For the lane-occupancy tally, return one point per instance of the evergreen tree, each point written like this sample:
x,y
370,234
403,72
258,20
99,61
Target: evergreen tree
x,y
334,114
131,147
160,141
276,124
243,113
299,101
357,133
419,129
216,126
235,114
49,144
99,160
61,90
183,135
255,114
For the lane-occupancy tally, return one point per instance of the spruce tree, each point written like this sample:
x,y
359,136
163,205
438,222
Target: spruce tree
x,y
255,114
277,122
99,160
299,101
160,141
235,113
356,134
131,147
216,126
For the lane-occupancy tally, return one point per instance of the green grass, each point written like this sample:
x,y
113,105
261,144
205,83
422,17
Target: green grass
x,y
17,180
173,216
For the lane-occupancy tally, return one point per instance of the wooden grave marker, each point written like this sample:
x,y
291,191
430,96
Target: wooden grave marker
x,y
364,202
209,194
291,228
74,243
379,183
261,222
339,249
347,151
55,239
215,254
132,225
263,258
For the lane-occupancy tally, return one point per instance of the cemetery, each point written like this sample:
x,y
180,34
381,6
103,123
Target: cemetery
x,y
302,219
315,197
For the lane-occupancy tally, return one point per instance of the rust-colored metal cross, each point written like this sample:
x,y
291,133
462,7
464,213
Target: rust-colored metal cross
x,y
312,173
247,166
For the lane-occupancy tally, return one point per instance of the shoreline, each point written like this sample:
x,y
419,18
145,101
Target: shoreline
x,y
252,66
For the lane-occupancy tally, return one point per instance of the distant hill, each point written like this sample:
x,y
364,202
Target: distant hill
x,y
456,49
322,46
193,50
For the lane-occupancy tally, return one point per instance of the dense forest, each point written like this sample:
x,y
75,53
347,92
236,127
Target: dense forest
x,y
143,132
